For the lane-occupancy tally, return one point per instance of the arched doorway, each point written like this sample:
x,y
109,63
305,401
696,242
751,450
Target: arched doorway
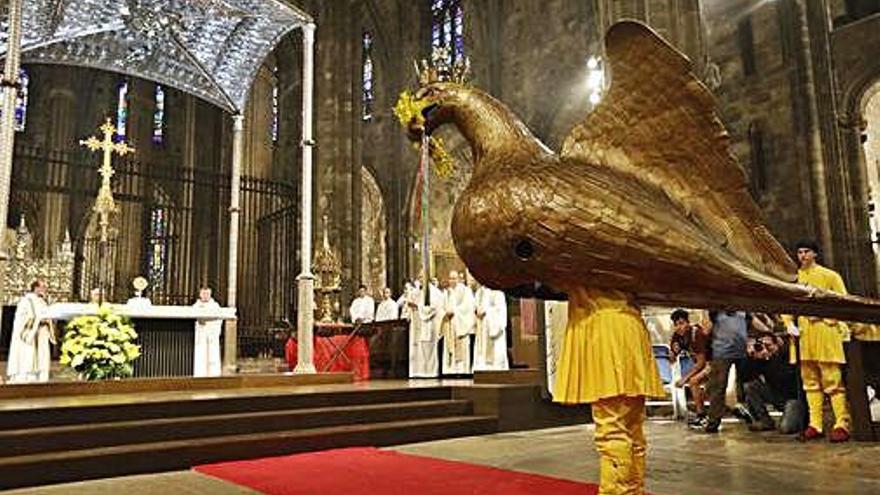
x,y
870,138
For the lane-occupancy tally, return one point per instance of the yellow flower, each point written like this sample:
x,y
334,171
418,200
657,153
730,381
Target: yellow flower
x,y
407,110
99,346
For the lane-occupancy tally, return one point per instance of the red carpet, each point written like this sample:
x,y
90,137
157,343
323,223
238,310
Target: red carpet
x,y
370,471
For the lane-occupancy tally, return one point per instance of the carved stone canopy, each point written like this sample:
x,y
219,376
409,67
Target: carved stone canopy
x,y
209,48
21,269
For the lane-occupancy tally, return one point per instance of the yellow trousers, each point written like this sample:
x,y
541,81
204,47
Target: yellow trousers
x,y
825,378
621,443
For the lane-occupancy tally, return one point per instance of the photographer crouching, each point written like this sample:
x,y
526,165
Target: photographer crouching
x,y
773,380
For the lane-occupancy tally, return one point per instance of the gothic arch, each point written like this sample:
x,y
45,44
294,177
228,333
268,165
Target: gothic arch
x,y
857,92
95,265
857,79
373,234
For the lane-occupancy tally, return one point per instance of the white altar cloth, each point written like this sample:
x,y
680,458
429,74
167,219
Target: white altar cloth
x,y
67,311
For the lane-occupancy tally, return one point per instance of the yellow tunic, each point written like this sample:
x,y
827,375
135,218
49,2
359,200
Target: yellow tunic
x,y
606,352
821,339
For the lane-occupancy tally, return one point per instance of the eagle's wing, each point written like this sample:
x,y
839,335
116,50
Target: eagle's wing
x,y
659,123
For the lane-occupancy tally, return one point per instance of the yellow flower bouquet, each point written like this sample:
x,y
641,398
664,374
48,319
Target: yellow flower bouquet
x,y
100,346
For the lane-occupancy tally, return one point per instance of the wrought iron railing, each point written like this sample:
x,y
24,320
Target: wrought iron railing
x,y
195,206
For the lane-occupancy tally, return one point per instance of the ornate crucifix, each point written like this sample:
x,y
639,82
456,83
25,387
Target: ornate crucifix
x,y
104,203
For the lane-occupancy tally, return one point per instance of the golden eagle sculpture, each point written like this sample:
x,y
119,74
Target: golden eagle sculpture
x,y
644,197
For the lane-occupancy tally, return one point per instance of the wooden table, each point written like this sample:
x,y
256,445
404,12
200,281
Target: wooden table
x,y
862,369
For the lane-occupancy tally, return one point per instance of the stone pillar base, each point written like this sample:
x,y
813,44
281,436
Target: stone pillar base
x,y
304,324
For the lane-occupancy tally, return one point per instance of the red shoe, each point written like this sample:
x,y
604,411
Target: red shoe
x,y
810,434
839,435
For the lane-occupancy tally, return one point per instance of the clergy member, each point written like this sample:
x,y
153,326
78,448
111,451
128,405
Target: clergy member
x,y
363,308
206,361
490,350
96,296
459,325
388,308
32,334
424,329
402,305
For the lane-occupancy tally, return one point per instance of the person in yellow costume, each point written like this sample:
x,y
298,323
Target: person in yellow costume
x,y
607,361
821,349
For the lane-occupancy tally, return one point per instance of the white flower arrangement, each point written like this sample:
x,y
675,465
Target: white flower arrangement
x,y
100,346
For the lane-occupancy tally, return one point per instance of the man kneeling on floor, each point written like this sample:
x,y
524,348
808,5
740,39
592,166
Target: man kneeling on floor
x,y
773,380
692,339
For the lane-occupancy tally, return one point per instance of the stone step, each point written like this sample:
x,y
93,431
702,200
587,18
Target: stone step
x,y
93,435
64,466
153,406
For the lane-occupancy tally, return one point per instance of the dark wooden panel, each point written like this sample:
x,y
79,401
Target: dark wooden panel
x,y
389,348
167,347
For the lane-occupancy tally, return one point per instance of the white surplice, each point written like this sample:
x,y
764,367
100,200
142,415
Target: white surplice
x,y
490,346
387,310
459,324
206,360
362,308
424,329
402,305
30,355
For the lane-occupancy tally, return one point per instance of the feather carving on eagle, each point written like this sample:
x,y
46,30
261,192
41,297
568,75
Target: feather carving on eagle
x,y
644,197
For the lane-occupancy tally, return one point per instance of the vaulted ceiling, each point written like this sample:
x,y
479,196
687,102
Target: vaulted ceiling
x,y
209,48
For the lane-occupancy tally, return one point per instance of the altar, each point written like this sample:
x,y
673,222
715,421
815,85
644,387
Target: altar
x,y
166,334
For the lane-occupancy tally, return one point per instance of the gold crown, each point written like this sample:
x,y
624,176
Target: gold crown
x,y
442,69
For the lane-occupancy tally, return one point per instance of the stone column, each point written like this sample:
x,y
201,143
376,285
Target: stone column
x,y
7,124
305,301
818,166
230,343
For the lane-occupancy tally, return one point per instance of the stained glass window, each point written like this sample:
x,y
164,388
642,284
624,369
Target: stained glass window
x,y
159,116
157,250
21,101
275,104
447,28
121,110
367,96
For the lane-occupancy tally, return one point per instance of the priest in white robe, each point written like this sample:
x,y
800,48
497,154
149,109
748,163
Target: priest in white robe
x,y
206,361
387,309
402,305
459,326
30,354
363,308
424,330
490,347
